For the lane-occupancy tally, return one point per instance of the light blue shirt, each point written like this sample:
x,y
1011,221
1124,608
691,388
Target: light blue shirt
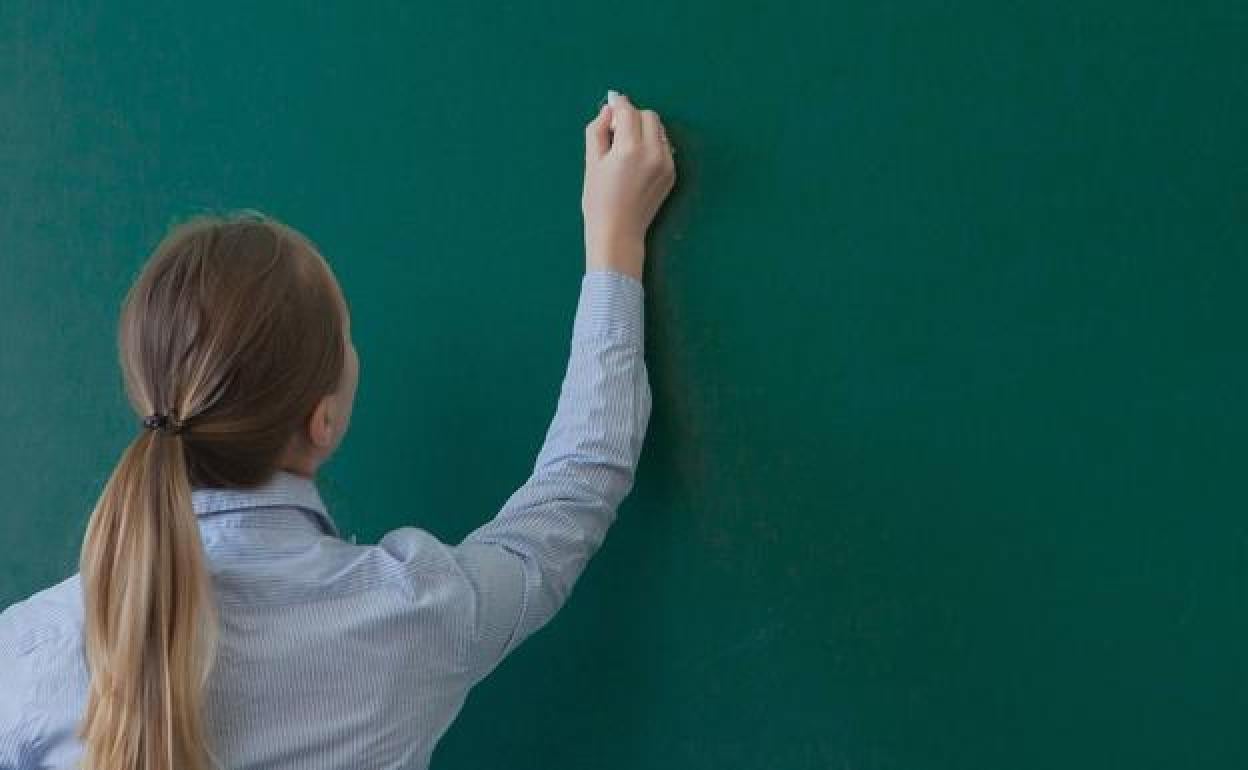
x,y
337,655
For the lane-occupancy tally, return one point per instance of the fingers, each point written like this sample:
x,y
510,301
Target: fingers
x,y
598,135
620,124
653,134
656,147
649,128
626,123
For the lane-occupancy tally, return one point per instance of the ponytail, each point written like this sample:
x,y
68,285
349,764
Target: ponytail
x,y
150,619
237,325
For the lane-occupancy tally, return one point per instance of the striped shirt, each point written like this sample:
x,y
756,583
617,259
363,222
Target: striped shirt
x,y
337,655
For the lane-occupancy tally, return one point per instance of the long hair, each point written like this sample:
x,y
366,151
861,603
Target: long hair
x,y
234,327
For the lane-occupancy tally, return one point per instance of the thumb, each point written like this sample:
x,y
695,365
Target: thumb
x,y
598,135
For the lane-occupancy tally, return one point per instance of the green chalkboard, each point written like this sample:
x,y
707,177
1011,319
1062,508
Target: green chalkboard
x,y
946,321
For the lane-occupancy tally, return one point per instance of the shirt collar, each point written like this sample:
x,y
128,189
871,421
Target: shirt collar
x,y
283,490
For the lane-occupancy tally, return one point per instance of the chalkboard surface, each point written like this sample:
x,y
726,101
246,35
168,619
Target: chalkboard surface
x,y
946,323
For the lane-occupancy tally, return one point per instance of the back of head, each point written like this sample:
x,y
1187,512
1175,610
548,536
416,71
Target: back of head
x,y
234,329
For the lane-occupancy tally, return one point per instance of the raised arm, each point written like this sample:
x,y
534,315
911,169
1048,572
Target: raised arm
x,y
524,563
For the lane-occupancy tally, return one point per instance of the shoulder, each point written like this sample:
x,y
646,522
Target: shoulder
x,y
408,561
428,571
418,559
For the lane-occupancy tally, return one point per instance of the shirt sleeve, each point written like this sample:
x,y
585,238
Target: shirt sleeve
x,y
524,562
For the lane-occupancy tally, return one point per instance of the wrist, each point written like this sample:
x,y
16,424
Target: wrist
x,y
622,254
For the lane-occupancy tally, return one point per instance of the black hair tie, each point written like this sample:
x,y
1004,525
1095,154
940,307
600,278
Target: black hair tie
x,y
162,422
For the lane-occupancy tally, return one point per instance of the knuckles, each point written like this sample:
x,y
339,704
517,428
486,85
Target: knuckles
x,y
655,158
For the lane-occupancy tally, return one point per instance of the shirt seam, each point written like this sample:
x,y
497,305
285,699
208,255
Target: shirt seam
x,y
260,522
532,582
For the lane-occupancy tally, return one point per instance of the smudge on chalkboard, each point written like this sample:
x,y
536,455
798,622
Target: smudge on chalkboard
x,y
678,466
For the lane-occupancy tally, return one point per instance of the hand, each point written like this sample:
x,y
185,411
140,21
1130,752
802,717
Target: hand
x,y
627,178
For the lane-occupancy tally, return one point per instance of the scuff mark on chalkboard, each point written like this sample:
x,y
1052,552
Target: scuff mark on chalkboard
x,y
759,637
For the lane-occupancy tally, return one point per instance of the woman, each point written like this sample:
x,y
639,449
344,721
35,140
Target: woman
x,y
218,618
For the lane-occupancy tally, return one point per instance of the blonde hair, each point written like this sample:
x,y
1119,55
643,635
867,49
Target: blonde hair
x,y
235,328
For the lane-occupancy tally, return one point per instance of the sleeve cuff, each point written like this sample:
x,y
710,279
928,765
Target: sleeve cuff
x,y
611,304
